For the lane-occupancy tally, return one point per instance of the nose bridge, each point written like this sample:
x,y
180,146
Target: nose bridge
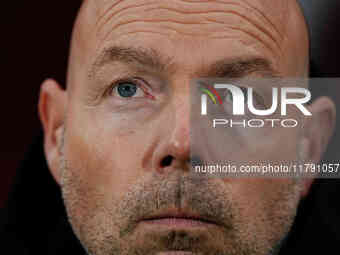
x,y
180,128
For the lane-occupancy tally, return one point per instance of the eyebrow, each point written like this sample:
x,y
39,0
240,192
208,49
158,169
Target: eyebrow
x,y
240,67
145,57
148,57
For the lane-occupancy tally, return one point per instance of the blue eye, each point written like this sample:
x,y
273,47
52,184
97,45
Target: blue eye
x,y
127,89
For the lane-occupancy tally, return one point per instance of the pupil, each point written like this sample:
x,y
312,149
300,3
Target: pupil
x,y
127,89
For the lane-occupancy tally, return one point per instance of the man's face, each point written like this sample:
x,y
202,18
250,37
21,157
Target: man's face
x,y
125,162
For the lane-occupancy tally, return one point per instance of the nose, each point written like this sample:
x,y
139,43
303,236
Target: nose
x,y
174,150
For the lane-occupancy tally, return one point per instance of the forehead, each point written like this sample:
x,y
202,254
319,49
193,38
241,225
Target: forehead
x,y
172,26
103,18
272,10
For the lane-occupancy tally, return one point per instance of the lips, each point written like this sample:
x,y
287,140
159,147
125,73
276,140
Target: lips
x,y
175,217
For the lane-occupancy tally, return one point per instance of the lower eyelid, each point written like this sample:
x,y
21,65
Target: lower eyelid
x,y
113,91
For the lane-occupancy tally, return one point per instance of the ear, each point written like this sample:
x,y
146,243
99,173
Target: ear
x,y
52,107
318,130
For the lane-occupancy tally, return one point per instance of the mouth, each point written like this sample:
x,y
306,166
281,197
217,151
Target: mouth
x,y
179,218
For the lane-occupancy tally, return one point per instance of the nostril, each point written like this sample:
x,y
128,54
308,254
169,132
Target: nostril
x,y
167,161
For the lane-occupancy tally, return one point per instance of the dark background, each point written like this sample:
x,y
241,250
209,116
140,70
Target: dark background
x,y
34,43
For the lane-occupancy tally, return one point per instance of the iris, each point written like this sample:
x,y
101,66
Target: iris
x,y
127,89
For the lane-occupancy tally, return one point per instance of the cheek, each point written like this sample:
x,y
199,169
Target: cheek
x,y
280,149
107,157
267,207
263,194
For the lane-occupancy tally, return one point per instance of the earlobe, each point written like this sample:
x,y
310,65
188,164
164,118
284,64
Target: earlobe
x,y
304,154
52,107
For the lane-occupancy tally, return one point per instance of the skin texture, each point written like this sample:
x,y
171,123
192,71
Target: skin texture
x,y
109,154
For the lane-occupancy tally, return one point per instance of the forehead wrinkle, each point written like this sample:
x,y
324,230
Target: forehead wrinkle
x,y
256,21
243,4
101,24
119,3
105,12
203,34
252,34
267,19
253,22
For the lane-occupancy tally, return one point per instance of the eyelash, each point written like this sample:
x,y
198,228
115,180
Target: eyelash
x,y
134,80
